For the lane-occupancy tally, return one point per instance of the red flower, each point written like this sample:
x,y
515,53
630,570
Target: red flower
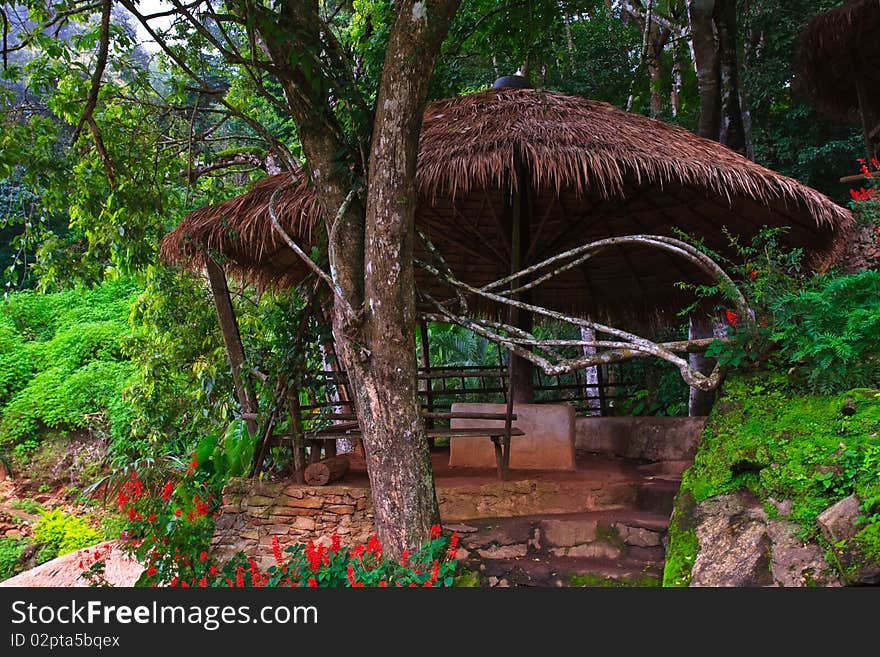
x,y
190,516
862,194
349,573
373,545
166,491
313,583
732,318
178,512
453,540
383,584
203,582
151,518
435,570
151,571
239,577
276,551
183,584
203,556
336,542
132,514
428,583
121,499
753,274
435,531
404,557
212,570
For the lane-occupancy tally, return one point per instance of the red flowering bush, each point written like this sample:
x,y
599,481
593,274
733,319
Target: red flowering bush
x,y
170,529
865,202
317,565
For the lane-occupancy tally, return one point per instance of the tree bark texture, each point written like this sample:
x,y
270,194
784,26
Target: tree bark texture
x,y
732,131
706,60
380,359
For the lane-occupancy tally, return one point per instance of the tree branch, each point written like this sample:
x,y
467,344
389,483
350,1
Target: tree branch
x,y
100,65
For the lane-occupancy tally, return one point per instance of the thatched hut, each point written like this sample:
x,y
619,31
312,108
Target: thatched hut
x,y
550,172
840,65
510,176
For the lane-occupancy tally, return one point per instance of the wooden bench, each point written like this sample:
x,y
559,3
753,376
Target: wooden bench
x,y
499,435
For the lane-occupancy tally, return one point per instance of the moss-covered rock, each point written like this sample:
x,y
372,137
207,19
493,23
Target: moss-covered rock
x,y
797,452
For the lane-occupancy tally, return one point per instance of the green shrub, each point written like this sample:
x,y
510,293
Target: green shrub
x,y
62,532
10,556
831,330
61,362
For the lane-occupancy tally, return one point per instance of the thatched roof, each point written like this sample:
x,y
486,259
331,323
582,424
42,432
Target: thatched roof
x,y
238,233
838,47
589,170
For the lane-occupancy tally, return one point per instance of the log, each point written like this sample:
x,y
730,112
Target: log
x,y
326,470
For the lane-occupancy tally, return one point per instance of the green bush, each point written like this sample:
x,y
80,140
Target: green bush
x,y
10,556
826,326
61,362
831,330
62,532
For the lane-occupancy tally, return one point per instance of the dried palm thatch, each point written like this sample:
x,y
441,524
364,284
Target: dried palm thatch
x,y
581,171
837,48
238,233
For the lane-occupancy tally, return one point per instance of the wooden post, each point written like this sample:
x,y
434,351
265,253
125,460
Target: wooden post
x,y
700,325
232,339
425,362
299,452
521,371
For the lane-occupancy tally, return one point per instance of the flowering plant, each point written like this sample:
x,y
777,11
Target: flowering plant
x,y
170,529
865,202
317,565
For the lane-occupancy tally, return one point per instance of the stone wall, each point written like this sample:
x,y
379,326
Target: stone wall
x,y
253,512
648,438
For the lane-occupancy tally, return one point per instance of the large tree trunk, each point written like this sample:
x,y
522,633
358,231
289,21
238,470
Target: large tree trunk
x,y
371,244
382,367
732,131
700,14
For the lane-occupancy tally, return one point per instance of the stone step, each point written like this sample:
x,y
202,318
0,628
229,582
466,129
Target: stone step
x,y
669,469
657,495
598,534
550,571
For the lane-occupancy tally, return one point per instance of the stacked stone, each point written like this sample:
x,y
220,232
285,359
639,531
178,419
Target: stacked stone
x,y
254,512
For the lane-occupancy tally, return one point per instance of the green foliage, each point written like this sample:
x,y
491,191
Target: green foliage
x,y
61,532
831,330
10,556
827,326
231,455
61,364
27,505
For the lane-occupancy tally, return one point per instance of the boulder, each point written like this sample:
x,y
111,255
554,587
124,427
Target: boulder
x,y
734,544
838,521
795,562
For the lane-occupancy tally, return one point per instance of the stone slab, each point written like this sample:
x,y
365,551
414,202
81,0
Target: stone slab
x,y
548,443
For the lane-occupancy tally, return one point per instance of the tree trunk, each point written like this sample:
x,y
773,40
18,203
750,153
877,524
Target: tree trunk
x,y
732,131
247,400
700,14
380,357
